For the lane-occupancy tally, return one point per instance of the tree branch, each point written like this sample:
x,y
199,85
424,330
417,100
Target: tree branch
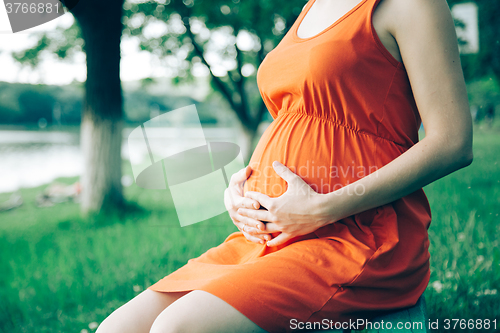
x,y
221,86
240,86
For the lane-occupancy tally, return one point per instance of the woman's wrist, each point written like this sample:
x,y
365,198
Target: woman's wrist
x,y
325,208
336,205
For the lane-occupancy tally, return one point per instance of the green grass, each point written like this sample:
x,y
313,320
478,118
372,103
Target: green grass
x,y
59,272
465,236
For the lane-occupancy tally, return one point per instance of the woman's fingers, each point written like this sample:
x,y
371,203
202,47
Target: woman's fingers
x,y
253,229
240,201
262,199
247,203
255,232
248,233
253,238
259,226
233,195
233,203
240,176
284,172
248,228
279,240
272,228
256,214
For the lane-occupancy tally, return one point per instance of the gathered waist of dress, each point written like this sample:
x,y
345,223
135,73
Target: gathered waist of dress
x,y
341,125
326,155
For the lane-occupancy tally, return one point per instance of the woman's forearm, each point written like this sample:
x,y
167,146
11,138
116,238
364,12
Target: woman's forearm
x,y
425,162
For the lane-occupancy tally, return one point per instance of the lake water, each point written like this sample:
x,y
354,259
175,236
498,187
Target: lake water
x,y
33,158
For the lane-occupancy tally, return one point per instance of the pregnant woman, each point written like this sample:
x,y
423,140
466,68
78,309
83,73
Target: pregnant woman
x,y
332,217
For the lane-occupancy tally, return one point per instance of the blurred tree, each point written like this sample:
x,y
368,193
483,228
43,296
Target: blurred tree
x,y
100,28
22,103
227,38
36,105
99,25
102,116
487,61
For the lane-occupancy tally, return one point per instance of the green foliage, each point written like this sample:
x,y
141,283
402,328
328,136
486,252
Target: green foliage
x,y
484,91
187,42
60,273
487,61
26,104
64,43
35,105
32,56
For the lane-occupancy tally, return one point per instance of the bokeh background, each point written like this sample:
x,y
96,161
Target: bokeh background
x,y
78,238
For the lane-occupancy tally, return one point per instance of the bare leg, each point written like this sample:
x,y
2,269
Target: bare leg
x,y
139,313
202,312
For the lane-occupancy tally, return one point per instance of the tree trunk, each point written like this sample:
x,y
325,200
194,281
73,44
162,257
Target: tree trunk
x,y
247,142
101,179
102,118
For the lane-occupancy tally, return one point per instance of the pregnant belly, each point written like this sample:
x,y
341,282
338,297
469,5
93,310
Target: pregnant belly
x,y
326,156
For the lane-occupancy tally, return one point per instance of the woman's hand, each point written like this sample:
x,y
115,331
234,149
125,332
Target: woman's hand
x,y
252,229
295,213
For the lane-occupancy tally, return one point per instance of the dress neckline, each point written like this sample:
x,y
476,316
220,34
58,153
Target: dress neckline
x,y
306,10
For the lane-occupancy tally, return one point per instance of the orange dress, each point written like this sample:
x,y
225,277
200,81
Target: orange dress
x,y
342,107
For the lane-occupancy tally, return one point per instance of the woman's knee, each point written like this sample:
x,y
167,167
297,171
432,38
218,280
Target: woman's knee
x,y
112,324
175,319
201,312
125,320
170,324
138,314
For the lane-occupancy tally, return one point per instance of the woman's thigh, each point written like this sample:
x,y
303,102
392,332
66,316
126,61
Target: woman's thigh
x,y
202,312
139,313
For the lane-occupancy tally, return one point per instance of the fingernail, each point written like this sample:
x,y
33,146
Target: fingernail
x,y
262,242
255,206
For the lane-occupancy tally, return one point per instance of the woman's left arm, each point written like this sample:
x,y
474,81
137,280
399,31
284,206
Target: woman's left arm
x,y
426,37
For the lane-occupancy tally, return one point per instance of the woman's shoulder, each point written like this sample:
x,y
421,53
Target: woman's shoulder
x,y
412,22
408,15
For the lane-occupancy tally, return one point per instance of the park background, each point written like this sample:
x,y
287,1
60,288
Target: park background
x,y
69,258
